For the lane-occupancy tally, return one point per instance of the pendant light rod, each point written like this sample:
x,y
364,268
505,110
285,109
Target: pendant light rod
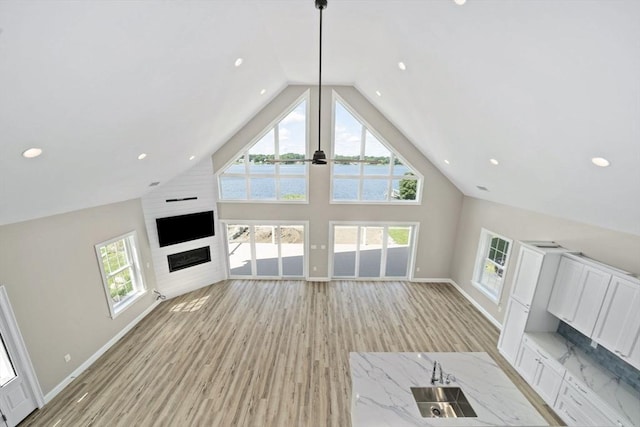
x,y
319,158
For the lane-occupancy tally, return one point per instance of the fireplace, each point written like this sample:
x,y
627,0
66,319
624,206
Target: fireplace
x,y
187,259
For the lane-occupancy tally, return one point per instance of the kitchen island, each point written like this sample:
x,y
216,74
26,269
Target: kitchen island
x,y
381,390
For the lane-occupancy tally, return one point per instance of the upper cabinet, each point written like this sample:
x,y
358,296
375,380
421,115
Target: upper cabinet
x,y
577,294
621,307
526,275
601,302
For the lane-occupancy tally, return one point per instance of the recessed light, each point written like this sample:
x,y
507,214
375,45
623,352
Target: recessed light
x,y
494,162
378,93
600,161
402,66
238,62
192,157
263,91
446,161
31,153
142,156
460,2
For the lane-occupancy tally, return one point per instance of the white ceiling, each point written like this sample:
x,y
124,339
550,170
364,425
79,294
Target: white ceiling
x,y
542,86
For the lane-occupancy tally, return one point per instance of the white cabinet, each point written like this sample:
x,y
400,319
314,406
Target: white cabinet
x,y
577,405
618,325
512,330
527,307
542,372
577,294
526,275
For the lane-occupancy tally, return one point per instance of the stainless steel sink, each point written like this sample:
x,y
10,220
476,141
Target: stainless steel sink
x,y
442,402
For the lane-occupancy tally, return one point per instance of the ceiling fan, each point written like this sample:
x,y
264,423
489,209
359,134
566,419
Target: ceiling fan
x,y
319,157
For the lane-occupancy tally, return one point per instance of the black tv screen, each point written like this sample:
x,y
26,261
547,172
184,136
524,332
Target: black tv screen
x,y
182,228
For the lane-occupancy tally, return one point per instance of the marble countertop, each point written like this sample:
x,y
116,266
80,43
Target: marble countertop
x,y
381,394
618,395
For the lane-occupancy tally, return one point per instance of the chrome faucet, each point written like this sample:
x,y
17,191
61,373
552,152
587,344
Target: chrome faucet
x,y
434,378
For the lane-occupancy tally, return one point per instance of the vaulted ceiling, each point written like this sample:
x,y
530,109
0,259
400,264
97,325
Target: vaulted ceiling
x,y
540,86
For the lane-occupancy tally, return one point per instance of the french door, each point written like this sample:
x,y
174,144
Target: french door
x,y
19,393
373,251
266,250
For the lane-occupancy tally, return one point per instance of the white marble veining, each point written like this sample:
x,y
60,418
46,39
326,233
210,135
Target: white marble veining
x,y
621,398
381,390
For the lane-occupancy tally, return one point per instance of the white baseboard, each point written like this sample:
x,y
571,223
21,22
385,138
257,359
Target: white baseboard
x,y
481,309
80,369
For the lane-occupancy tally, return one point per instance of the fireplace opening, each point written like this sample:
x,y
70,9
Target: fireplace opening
x,y
186,259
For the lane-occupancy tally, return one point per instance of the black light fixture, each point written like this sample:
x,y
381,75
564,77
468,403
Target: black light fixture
x,y
319,158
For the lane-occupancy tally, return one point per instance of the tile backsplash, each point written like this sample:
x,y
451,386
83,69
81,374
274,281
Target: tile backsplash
x,y
604,357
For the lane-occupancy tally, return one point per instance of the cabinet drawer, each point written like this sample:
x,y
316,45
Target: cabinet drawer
x,y
576,409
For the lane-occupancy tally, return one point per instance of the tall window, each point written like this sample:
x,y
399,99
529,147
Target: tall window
x,y
491,262
272,169
369,170
121,273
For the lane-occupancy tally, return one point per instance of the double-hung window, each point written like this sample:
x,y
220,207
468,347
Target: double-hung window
x,y
491,263
119,262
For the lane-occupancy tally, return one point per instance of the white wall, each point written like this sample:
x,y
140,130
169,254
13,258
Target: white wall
x,y
438,213
196,182
615,248
52,275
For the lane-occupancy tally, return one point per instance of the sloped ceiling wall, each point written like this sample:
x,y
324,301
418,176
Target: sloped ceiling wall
x,y
540,86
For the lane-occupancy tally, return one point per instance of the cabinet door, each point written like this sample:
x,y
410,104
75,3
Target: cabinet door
x,y
527,362
547,381
618,324
593,285
526,275
578,293
563,302
515,321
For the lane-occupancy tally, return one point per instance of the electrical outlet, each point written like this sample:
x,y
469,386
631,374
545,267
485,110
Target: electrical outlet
x,y
594,344
417,268
314,246
67,358
499,308
315,268
323,247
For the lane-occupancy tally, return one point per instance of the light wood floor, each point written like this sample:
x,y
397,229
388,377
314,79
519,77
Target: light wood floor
x,y
266,353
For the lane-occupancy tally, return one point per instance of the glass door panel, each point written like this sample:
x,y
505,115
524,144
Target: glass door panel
x,y
239,249
398,251
7,372
371,239
345,244
266,251
292,249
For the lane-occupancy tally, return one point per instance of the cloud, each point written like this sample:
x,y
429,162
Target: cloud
x,y
293,117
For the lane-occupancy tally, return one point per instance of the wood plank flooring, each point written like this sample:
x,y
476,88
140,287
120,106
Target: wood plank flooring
x,y
266,353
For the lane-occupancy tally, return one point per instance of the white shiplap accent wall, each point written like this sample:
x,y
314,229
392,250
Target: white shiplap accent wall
x,y
199,181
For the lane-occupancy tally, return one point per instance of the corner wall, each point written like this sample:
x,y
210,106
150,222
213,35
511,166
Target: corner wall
x,y
51,272
196,182
617,249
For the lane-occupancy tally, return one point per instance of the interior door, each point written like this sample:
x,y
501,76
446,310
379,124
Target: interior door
x,y
16,401
20,393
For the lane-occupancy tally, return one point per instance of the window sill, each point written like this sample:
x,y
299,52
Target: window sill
x,y
126,303
494,298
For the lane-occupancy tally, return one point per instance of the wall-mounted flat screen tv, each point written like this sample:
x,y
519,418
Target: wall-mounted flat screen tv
x,y
183,228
